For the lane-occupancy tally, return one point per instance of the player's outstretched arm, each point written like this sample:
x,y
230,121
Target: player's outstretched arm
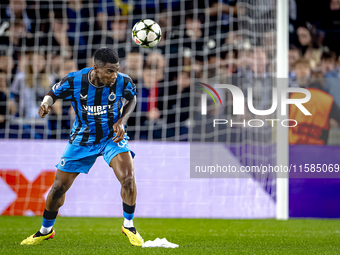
x,y
46,104
118,127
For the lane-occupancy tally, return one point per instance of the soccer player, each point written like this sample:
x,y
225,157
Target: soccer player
x,y
97,95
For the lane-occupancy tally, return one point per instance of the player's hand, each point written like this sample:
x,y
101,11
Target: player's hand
x,y
118,128
44,110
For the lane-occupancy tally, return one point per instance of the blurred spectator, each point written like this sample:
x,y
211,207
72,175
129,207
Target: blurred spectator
x,y
193,35
309,43
62,111
313,56
150,7
61,39
157,62
116,37
313,129
328,65
150,104
331,75
183,82
111,8
189,63
262,82
156,59
294,55
164,20
119,29
193,27
169,41
229,68
54,62
244,58
224,6
78,15
150,92
67,67
219,11
180,100
257,77
316,77
90,61
302,71
233,39
334,5
307,36
3,101
6,106
134,66
269,44
6,61
257,13
259,62
29,87
214,63
12,41
17,10
57,40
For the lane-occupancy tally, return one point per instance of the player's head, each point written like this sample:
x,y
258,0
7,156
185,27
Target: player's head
x,y
106,65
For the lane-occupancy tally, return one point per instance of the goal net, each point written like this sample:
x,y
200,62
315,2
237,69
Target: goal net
x,y
203,42
244,56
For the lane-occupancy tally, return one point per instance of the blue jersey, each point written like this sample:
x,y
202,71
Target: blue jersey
x,y
96,108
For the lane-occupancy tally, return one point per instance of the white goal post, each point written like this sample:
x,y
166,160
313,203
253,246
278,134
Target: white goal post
x,y
282,38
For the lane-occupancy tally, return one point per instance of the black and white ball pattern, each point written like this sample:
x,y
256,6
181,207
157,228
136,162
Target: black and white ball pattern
x,y
146,33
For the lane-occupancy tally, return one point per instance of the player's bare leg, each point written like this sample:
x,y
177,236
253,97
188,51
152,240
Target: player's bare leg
x,y
55,199
123,167
56,196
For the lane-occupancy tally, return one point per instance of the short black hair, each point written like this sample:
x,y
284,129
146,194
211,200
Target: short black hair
x,y
328,55
105,55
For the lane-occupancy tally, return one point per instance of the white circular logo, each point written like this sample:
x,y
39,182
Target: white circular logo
x,y
112,96
62,162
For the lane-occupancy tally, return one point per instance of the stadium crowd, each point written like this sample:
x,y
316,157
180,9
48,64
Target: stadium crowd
x,y
206,41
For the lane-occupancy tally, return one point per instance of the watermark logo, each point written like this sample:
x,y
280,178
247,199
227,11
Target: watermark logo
x,y
204,96
239,103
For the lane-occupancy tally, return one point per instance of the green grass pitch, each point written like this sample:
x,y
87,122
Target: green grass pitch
x,y
194,236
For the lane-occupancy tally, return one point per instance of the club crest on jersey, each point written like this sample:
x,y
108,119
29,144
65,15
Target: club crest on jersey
x,y
112,96
62,162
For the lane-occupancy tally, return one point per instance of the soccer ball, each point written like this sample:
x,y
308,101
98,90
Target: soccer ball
x,y
146,33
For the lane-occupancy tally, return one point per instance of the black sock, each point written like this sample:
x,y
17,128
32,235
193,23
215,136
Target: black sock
x,y
129,208
48,219
128,211
50,215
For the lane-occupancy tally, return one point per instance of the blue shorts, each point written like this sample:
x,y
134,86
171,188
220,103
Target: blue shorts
x,y
80,159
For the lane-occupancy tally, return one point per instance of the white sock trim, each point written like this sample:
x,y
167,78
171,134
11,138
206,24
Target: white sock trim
x,y
128,223
44,230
